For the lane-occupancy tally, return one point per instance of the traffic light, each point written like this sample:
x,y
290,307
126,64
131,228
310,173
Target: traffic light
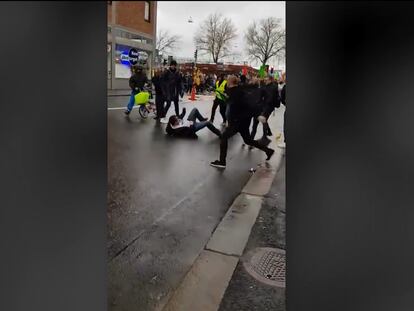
x,y
165,62
271,70
195,54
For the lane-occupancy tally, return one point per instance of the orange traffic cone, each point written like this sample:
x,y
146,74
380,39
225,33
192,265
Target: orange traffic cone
x,y
193,92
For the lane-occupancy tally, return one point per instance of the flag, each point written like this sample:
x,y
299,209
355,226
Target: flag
x,y
262,71
277,75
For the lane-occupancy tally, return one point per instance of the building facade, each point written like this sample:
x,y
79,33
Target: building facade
x,y
131,39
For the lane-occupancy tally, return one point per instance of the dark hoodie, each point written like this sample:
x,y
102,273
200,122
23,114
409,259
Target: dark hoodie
x,y
138,80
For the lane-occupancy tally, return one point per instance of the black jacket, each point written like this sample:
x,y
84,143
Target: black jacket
x,y
184,132
157,84
137,80
271,95
244,101
171,85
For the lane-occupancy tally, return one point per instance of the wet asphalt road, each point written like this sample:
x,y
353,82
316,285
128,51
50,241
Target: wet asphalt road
x,y
164,201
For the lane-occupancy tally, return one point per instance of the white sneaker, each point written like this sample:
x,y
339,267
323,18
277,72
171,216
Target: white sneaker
x,y
282,145
164,120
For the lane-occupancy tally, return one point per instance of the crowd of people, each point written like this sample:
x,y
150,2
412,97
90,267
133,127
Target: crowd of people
x,y
203,82
242,101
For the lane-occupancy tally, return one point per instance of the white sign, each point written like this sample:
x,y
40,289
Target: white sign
x,y
124,58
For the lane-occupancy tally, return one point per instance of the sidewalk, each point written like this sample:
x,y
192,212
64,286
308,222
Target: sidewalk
x,y
218,279
244,292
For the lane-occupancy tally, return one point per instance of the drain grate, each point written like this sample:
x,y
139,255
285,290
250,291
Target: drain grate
x,y
267,265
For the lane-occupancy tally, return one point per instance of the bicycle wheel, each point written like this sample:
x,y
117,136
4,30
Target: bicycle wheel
x,y
143,111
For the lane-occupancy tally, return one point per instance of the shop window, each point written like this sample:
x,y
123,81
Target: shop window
x,y
147,13
122,60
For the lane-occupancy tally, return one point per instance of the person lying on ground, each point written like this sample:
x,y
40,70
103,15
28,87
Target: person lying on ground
x,y
178,127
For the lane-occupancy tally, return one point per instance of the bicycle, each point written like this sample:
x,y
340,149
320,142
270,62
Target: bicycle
x,y
143,100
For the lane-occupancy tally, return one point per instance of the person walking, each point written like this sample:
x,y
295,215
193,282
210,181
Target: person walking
x,y
270,101
171,87
159,98
137,82
220,100
239,122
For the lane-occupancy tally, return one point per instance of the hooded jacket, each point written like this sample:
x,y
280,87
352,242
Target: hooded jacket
x,y
137,80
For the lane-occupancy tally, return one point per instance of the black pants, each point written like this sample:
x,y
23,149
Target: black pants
x,y
243,129
216,103
266,128
159,105
177,110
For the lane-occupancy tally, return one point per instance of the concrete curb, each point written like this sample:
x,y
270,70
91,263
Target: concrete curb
x,y
203,287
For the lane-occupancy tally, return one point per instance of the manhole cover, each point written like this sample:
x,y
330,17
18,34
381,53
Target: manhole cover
x,y
267,265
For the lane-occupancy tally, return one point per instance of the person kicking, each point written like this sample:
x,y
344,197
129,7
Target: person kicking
x,y
240,115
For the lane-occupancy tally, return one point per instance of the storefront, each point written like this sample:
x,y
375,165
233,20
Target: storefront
x,y
127,48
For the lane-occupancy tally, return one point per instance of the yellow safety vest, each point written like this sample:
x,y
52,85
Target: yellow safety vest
x,y
220,90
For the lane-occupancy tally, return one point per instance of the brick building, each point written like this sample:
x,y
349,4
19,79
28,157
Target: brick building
x,y
131,39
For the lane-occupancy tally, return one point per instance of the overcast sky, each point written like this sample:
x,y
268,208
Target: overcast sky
x,y
174,15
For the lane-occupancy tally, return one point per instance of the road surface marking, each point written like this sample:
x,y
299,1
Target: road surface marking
x,y
119,108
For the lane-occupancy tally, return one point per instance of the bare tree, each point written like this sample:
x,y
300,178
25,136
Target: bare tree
x,y
215,35
166,42
265,39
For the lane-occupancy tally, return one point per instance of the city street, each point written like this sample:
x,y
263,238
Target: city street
x,y
165,200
